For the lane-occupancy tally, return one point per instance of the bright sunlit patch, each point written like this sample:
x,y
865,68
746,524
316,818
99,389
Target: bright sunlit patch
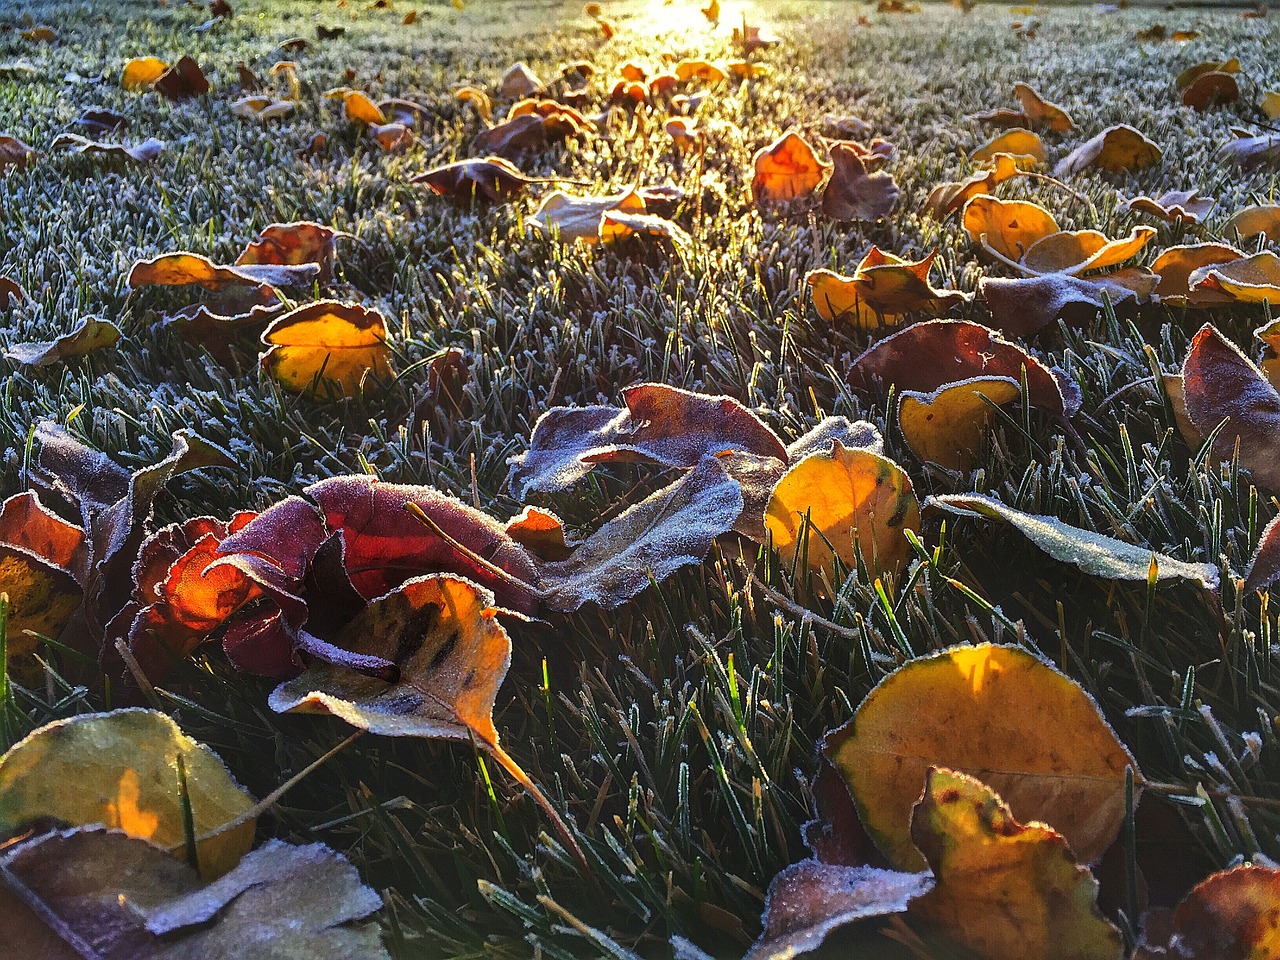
x,y
975,665
124,811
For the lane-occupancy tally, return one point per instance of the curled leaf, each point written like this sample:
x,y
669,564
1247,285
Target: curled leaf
x,y
882,289
1249,222
1176,265
578,218
1008,228
141,72
854,194
492,178
1247,280
1024,306
90,334
182,81
1174,206
144,152
1024,146
1231,915
179,269
1118,149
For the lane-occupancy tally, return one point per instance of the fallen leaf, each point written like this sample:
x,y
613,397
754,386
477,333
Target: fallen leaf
x,y
540,532
144,152
180,269
391,137
882,289
1040,112
120,769
747,70
1004,890
90,334
478,99
1073,252
39,35
1175,206
11,292
1190,75
854,194
928,355
42,563
848,504
14,153
558,120
1018,143
1210,90
1248,222
1176,265
518,82
617,227
1249,152
1007,228
1221,383
358,108
528,131
130,899
327,342
948,198
1118,149
578,218
182,81
1270,104
948,426
1024,306
1093,553
703,70
1228,916
218,333
787,169
999,714
1264,568
100,120
1252,279
261,109
808,900
492,178
683,132
295,244
660,424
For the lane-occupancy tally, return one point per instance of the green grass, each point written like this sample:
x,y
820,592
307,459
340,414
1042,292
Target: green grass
x,y
677,733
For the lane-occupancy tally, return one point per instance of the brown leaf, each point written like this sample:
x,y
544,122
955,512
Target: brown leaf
x,y
144,152
1118,149
1175,206
1176,265
90,334
1025,306
218,333
1221,383
881,291
525,132
787,169
11,292
854,194
492,178
1245,151
14,153
660,424
1211,89
182,81
1229,916
519,81
1249,222
294,244
1264,568
101,120
42,564
928,355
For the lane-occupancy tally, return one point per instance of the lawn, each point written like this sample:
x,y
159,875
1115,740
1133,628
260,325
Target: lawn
x,y
676,733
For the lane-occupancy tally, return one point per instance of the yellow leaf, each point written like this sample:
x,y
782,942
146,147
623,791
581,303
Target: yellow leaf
x,y
1007,228
121,769
1175,266
1074,251
1004,890
1017,142
1271,104
948,425
141,72
335,343
42,597
1248,222
1251,280
854,501
1117,149
788,169
478,99
703,70
882,289
360,109
999,714
1041,112
578,218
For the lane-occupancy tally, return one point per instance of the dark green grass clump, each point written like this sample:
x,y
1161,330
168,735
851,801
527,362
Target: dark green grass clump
x,y
678,732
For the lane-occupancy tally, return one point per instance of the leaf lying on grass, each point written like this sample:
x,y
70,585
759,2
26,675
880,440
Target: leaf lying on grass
x,y
90,334
948,425
1118,149
1024,306
1000,714
179,269
1231,915
882,289
122,769
144,152
327,344
787,169
492,178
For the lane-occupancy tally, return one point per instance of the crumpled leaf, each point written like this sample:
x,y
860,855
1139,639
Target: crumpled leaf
x,y
660,424
1024,306
994,712
492,178
810,899
559,121
131,900
617,227
518,82
928,355
1173,206
854,194
579,218
787,169
114,505
1007,228
1191,74
948,425
1175,266
1094,553
141,72
90,334
1023,145
294,244
327,343
540,532
1004,890
525,132
120,769
182,81
672,528
42,562
1118,149
1249,222
948,198
144,152
262,108
1230,915
1248,280
1221,383
216,332
882,289
179,269
846,503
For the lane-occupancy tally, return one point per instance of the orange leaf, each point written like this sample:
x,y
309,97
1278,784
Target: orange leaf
x,y
330,343
788,169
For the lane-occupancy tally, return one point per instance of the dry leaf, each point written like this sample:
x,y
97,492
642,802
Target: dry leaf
x,y
182,81
1004,890
261,109
528,131
141,72
518,82
540,532
1018,143
391,137
880,292
788,169
1007,228
478,99
1249,280
120,769
847,504
295,244
1209,90
1040,112
179,269
42,564
997,713
1221,383
144,152
90,334
1248,222
1073,252
854,194
1264,568
327,344
617,227
703,70
39,35
1231,915
1248,151
492,178
948,426
14,153
1024,306
1175,206
1189,76
1118,149
948,198
1176,265
578,218
11,292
